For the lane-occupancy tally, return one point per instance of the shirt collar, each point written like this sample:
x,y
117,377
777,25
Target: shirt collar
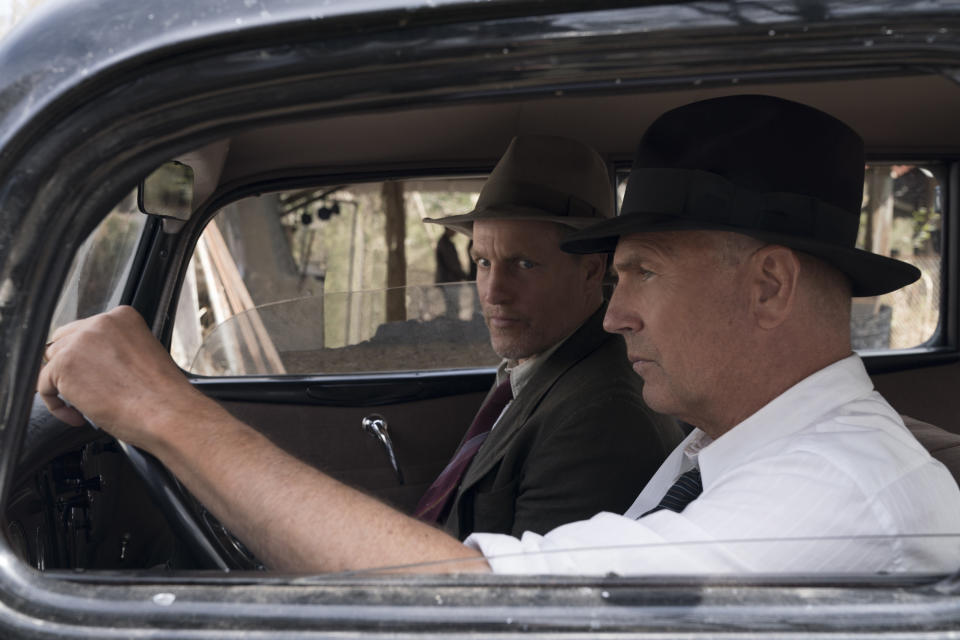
x,y
796,408
522,373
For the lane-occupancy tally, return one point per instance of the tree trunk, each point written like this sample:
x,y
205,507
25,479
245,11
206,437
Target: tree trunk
x,y
396,231
880,208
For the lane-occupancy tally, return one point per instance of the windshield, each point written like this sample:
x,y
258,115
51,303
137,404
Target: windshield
x,y
101,265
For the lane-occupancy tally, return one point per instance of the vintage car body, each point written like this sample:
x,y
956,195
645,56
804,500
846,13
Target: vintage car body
x,y
95,95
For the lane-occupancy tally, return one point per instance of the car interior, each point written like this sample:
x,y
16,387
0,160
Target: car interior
x,y
380,398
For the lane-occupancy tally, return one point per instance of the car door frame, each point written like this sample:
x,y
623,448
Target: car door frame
x,y
92,131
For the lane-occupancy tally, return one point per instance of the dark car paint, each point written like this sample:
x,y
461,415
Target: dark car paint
x,y
94,95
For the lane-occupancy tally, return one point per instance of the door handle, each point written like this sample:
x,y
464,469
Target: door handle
x,y
376,426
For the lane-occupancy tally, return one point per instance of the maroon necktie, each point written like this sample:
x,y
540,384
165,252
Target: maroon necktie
x,y
437,500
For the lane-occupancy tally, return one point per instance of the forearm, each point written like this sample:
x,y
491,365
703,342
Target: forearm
x,y
292,516
111,370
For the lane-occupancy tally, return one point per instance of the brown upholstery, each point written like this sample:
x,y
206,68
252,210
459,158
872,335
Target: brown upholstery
x,y
942,444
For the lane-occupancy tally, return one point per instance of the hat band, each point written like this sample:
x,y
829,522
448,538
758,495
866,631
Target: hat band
x,y
513,193
711,200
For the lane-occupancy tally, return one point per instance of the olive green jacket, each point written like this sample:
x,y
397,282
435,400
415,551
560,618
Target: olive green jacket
x,y
578,440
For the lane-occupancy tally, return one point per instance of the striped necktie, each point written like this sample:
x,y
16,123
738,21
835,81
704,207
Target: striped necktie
x,y
684,491
436,502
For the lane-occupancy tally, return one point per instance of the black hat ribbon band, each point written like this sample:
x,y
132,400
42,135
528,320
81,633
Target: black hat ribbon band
x,y
714,201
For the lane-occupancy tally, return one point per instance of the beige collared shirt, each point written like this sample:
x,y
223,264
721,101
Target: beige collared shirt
x,y
522,373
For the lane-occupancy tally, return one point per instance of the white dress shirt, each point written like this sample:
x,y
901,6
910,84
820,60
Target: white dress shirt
x,y
824,478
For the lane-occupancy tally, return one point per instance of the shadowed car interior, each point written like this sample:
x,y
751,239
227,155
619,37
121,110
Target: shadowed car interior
x,y
314,402
295,282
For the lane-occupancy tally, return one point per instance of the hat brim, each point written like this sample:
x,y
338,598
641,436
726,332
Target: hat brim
x,y
870,274
464,222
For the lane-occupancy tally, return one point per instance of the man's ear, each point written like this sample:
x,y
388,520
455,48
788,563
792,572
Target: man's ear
x,y
775,271
595,266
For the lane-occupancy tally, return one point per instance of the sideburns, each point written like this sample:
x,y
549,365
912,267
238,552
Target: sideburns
x,y
732,249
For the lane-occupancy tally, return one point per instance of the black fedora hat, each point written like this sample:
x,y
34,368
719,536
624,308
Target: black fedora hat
x,y
765,167
545,178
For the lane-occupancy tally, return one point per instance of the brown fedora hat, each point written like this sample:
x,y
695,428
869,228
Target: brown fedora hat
x,y
544,178
765,167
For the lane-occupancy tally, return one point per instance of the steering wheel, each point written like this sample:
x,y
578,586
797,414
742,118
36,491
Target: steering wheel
x,y
188,517
212,545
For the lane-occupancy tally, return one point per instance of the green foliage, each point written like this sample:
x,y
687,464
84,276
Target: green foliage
x,y
925,222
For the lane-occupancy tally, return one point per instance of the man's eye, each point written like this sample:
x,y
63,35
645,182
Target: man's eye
x,y
525,264
646,275
483,263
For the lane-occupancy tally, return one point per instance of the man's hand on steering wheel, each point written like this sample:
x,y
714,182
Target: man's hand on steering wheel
x,y
109,369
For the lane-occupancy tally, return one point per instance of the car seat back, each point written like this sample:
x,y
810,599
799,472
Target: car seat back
x,y
942,444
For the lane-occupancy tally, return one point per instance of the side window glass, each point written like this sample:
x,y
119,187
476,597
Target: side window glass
x,y
339,279
101,266
901,217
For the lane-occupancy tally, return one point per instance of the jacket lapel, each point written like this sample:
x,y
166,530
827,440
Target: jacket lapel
x,y
583,342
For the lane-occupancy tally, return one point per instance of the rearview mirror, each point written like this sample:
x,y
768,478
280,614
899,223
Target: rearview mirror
x,y
168,191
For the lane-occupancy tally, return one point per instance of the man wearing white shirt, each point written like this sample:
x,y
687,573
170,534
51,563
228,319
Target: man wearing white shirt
x,y
736,263
735,252
795,488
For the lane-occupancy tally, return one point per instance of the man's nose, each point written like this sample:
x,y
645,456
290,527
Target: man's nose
x,y
494,286
621,317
